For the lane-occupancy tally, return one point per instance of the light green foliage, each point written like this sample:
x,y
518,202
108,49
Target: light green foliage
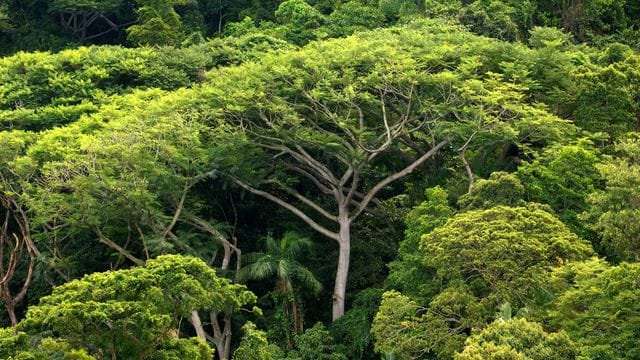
x,y
500,189
504,253
517,339
239,28
20,346
400,327
442,9
562,177
129,313
601,310
41,90
114,190
254,345
159,23
408,273
480,259
613,211
541,37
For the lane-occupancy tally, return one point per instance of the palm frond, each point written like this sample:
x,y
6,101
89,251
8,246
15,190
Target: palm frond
x,y
295,244
283,271
263,268
306,278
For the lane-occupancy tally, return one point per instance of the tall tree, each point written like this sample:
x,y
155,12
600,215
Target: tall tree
x,y
341,121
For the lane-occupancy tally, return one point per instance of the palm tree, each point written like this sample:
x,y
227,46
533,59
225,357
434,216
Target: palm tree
x,y
281,261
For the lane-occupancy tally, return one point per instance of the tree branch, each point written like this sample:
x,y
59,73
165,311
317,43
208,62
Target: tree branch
x,y
319,228
309,202
389,179
105,240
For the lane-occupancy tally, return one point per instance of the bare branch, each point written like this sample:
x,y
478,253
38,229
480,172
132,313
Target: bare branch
x,y
309,203
325,190
179,208
299,213
105,240
389,179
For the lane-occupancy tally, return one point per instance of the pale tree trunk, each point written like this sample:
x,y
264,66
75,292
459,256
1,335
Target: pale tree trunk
x,y
345,201
197,325
221,336
342,271
221,328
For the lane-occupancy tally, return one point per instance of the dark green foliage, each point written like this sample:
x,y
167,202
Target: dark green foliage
x,y
300,19
316,343
353,330
408,273
5,23
562,177
393,9
352,16
101,5
280,263
601,311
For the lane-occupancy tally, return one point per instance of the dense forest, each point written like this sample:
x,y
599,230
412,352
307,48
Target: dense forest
x,y
320,179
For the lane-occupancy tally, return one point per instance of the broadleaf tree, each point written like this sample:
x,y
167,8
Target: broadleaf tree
x,y
319,123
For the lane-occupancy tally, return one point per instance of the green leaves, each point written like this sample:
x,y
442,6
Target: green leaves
x,y
471,265
611,212
600,310
135,313
517,339
502,251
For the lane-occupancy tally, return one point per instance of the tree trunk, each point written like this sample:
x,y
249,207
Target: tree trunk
x,y
222,336
11,311
344,241
197,325
227,336
297,317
